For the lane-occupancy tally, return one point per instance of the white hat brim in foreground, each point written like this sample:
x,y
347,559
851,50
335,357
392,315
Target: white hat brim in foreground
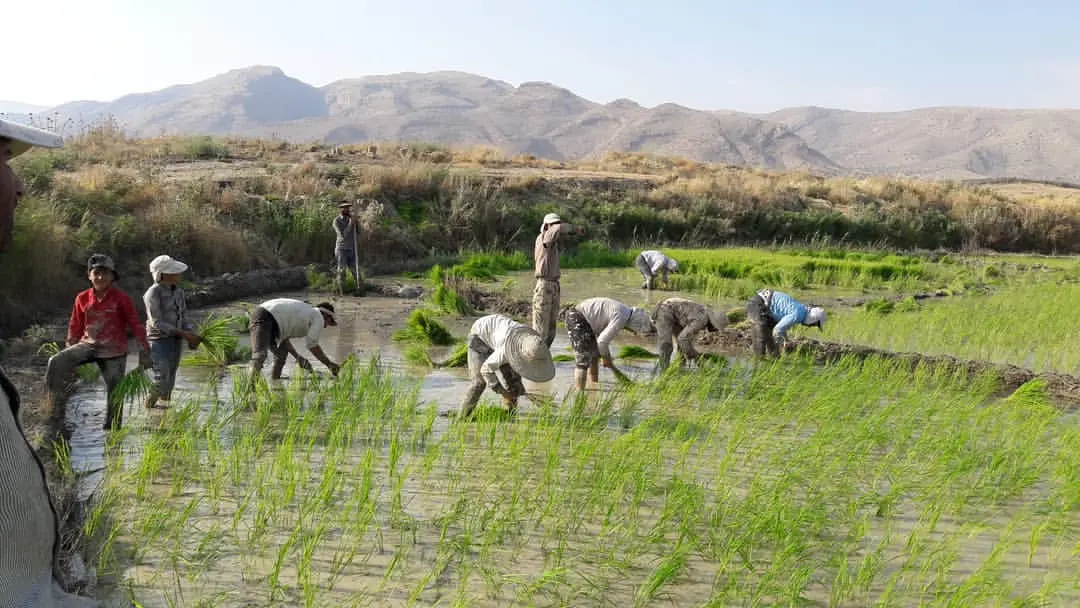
x,y
528,355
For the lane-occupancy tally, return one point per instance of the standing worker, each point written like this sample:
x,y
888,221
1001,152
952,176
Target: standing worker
x,y
167,326
498,343
101,320
591,326
651,262
546,293
345,245
681,320
772,313
274,323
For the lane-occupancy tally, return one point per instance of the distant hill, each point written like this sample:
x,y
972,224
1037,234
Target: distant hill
x,y
19,108
548,121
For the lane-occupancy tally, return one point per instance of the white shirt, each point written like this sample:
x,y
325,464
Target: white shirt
x,y
296,319
607,317
494,330
656,260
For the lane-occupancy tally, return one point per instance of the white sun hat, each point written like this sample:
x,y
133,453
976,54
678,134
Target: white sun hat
x,y
816,316
639,322
164,264
528,355
552,218
23,137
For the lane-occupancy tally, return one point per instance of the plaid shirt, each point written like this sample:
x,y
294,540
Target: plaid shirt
x,y
105,323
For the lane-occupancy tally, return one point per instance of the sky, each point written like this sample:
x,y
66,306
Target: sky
x,y
750,56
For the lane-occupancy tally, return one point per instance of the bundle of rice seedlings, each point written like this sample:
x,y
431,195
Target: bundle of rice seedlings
x,y
636,352
219,342
562,358
458,358
135,386
416,353
423,328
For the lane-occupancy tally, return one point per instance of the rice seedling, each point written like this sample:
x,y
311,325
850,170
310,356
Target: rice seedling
x,y
220,346
779,483
423,328
633,351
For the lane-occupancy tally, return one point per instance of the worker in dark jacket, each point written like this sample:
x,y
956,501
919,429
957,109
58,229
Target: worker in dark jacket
x,y
680,320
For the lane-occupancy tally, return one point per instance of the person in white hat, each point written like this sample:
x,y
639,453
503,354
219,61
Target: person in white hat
x,y
496,344
274,323
167,326
680,320
591,325
772,313
547,292
650,263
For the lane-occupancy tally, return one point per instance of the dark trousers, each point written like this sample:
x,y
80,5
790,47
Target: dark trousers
x,y
266,338
762,324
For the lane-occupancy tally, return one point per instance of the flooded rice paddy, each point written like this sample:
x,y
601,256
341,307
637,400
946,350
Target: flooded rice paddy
x,y
737,484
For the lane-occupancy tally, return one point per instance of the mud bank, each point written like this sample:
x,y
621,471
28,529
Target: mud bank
x,y
1063,388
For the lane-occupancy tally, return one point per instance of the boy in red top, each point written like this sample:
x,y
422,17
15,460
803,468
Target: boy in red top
x,y
98,333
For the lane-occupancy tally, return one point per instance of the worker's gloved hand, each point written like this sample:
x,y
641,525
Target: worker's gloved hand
x,y
145,361
502,390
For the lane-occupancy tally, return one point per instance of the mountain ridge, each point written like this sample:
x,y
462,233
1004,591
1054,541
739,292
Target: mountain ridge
x,y
546,120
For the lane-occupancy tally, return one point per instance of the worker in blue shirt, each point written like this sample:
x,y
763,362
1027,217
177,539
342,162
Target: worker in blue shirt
x,y
772,313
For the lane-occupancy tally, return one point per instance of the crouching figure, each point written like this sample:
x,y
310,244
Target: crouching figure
x,y
498,343
772,313
591,325
680,320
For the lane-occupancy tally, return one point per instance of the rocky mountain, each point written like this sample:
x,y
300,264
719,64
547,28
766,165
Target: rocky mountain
x,y
549,121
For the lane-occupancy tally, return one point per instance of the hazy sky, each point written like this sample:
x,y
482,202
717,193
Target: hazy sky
x,y
754,56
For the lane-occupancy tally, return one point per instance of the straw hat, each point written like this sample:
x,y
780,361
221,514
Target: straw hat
x,y
528,355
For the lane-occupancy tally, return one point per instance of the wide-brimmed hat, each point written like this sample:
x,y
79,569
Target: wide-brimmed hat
x,y
717,319
23,137
164,264
327,309
345,204
528,355
639,322
816,316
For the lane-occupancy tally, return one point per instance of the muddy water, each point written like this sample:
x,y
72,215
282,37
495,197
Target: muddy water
x,y
364,330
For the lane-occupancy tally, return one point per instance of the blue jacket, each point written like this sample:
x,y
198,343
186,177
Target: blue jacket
x,y
787,311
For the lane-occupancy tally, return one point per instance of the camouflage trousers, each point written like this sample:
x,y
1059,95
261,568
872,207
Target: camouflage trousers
x,y
545,308
679,322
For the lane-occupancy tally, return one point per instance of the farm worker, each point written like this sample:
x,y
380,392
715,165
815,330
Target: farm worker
x,y
167,325
592,324
101,320
681,320
498,343
28,522
546,293
275,322
772,313
346,230
651,262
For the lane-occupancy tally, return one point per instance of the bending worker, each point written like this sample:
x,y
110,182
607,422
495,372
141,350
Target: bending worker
x,y
274,323
681,320
651,262
591,326
772,313
498,343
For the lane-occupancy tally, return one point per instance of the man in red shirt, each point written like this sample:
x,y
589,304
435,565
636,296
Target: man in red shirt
x,y
101,320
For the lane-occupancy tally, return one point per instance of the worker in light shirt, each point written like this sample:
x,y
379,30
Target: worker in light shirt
x,y
652,263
